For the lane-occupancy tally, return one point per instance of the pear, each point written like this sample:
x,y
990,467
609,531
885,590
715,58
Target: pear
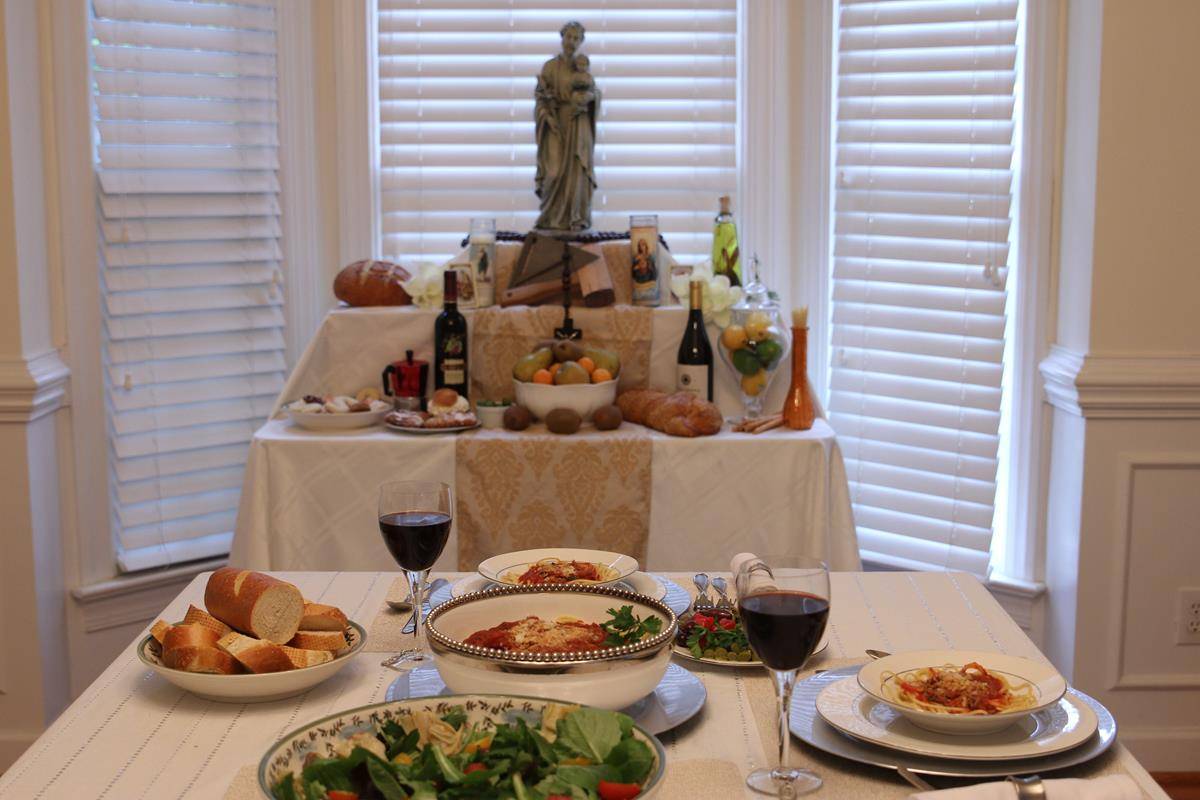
x,y
567,350
604,359
570,372
528,364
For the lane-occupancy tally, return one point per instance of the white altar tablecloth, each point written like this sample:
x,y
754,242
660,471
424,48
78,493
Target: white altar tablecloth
x,y
309,499
133,735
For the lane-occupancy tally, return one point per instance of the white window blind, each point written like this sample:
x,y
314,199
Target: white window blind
x,y
187,191
923,210
456,82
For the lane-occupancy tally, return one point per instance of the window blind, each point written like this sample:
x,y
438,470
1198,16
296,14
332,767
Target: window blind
x,y
190,264
456,132
924,153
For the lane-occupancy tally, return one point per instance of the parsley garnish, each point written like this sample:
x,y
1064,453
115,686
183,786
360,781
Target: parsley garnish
x,y
625,627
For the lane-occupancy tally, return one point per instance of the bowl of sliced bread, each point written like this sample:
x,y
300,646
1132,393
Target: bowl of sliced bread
x,y
256,639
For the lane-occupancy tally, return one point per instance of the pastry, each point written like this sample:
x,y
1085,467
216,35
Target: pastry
x,y
453,419
447,401
405,419
678,414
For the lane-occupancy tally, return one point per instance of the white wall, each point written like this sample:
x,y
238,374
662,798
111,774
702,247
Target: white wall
x,y
1123,522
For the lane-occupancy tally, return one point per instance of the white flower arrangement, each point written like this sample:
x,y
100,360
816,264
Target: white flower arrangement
x,y
425,287
719,294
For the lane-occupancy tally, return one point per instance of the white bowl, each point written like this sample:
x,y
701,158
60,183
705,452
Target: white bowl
x,y
1048,687
582,398
291,752
337,422
612,678
496,567
491,416
252,688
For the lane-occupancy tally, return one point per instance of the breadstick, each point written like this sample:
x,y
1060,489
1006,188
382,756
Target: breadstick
x,y
775,423
762,422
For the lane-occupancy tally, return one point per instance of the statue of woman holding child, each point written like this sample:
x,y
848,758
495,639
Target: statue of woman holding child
x,y
566,105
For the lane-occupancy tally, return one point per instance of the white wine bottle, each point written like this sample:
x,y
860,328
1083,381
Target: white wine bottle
x,y
694,366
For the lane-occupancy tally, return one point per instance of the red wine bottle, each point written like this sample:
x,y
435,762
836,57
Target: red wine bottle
x,y
694,366
450,340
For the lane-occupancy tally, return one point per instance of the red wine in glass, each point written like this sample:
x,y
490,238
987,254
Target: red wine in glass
x,y
415,538
784,627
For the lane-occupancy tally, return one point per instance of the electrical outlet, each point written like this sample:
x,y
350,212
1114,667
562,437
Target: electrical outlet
x,y
1187,621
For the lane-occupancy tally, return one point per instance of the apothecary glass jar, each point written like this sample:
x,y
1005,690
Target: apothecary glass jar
x,y
757,341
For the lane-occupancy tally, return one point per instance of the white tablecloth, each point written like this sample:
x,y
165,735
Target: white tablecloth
x,y
309,499
131,734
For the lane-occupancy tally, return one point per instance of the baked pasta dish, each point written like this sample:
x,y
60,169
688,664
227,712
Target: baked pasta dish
x,y
536,635
553,570
948,689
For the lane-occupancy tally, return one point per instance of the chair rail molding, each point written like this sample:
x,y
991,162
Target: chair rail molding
x,y
32,387
1123,385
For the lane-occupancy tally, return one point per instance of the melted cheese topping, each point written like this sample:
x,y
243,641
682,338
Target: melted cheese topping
x,y
536,635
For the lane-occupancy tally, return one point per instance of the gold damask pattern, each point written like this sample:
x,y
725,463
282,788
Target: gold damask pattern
x,y
518,491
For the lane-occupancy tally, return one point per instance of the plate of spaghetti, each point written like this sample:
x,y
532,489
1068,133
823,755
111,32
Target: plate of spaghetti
x,y
558,565
962,691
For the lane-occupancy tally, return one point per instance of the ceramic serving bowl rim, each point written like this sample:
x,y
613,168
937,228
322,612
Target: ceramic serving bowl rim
x,y
652,782
663,638
941,657
360,641
545,386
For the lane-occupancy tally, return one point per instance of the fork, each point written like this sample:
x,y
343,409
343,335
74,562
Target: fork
x,y
701,601
723,601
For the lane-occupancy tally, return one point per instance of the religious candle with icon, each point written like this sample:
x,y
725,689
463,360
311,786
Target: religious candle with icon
x,y
643,251
481,253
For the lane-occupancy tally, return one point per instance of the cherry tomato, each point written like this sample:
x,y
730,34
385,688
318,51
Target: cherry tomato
x,y
474,766
728,624
339,794
618,791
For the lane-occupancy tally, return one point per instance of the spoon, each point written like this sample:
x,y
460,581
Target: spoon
x,y
877,654
719,584
406,603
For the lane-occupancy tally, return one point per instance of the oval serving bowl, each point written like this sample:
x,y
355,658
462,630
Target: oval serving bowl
x,y
290,753
582,398
250,687
1048,687
497,567
337,422
611,678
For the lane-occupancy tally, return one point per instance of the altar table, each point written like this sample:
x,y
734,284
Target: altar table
x,y
132,734
309,499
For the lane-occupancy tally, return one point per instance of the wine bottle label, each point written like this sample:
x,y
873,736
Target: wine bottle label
x,y
454,371
692,378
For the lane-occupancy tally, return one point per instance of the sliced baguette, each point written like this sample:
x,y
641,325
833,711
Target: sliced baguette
x,y
306,658
193,648
319,640
255,604
159,630
198,616
256,655
320,617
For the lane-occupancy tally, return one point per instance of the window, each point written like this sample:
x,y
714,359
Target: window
x,y
923,212
456,134
185,121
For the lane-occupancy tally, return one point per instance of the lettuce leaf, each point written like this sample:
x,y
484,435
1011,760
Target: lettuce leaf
x,y
590,732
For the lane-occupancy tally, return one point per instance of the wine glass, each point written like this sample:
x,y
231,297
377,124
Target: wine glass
x,y
784,605
414,518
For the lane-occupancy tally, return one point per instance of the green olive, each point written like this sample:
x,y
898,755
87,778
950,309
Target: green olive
x,y
745,656
708,653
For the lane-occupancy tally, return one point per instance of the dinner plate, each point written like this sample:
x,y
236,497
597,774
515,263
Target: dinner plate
x,y
496,567
679,696
684,653
430,431
808,726
651,585
337,422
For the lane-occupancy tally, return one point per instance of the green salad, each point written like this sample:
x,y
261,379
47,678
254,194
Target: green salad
x,y
573,754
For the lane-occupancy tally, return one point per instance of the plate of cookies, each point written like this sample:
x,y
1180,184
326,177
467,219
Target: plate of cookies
x,y
448,412
338,412
256,639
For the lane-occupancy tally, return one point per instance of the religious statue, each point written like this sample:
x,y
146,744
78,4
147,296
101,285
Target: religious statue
x,y
566,105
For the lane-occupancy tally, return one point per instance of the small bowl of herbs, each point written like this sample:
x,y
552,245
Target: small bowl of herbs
x,y
491,412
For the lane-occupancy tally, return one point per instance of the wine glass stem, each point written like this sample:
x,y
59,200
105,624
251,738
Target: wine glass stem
x,y
416,585
785,681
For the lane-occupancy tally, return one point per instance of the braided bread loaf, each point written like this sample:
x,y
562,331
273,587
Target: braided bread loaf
x,y
679,414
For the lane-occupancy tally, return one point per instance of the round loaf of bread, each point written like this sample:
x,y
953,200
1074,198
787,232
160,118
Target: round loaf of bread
x,y
255,604
372,283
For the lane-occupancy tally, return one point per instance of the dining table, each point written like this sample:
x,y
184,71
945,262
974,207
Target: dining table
x,y
131,734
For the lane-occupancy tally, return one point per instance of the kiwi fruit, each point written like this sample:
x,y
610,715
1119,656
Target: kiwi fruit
x,y
607,418
517,418
563,420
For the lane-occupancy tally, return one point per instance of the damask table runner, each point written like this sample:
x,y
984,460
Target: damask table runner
x,y
541,489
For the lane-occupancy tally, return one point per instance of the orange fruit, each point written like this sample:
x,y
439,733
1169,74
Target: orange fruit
x,y
555,367
543,376
600,375
587,364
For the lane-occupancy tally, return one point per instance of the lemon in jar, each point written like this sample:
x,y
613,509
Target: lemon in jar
x,y
752,385
757,326
734,337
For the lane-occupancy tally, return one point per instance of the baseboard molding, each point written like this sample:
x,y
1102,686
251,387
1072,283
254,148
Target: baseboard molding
x,y
1163,748
1123,385
32,387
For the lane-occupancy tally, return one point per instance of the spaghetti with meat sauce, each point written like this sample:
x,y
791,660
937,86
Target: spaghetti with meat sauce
x,y
553,570
536,635
948,689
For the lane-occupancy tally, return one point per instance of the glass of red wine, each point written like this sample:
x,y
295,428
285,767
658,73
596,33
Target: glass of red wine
x,y
783,602
414,518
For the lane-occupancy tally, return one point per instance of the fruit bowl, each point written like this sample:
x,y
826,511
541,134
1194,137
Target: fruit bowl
x,y
582,398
